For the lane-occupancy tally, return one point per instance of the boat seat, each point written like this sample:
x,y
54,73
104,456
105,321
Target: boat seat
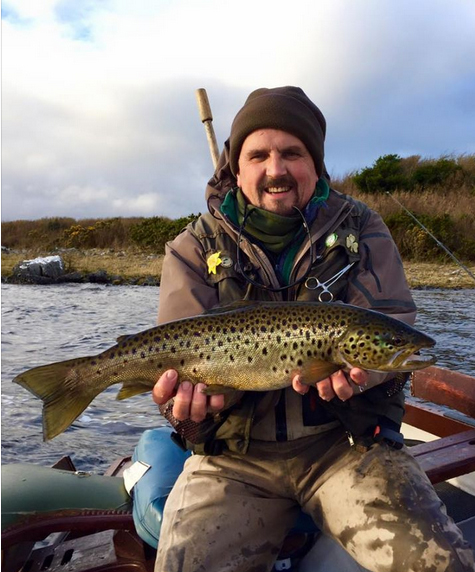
x,y
447,457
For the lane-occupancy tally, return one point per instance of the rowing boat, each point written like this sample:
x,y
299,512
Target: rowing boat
x,y
62,519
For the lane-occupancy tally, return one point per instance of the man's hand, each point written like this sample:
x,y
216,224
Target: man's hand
x,y
337,385
190,401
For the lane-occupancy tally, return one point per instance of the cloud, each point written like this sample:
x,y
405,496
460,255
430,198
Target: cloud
x,y
99,111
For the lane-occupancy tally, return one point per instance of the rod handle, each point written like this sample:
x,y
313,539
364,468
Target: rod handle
x,y
203,105
207,120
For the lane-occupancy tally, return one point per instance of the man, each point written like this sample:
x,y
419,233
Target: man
x,y
262,457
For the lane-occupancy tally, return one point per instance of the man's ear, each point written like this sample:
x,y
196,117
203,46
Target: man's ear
x,y
238,180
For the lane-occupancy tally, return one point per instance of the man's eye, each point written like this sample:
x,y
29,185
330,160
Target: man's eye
x,y
291,154
257,157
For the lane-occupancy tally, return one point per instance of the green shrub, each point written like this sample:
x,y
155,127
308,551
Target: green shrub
x,y
386,175
155,232
434,173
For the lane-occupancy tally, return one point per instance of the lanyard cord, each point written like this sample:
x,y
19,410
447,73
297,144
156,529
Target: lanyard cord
x,y
264,286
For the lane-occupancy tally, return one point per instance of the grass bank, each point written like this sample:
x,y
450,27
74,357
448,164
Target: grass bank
x,y
138,265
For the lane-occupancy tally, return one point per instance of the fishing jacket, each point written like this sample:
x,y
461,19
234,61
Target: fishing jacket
x,y
351,258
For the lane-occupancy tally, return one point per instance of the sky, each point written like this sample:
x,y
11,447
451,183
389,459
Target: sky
x,y
99,116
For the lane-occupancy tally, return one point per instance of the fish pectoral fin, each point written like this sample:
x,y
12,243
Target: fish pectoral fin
x,y
315,371
215,389
133,387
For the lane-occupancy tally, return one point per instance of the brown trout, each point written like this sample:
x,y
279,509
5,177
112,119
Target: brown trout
x,y
254,346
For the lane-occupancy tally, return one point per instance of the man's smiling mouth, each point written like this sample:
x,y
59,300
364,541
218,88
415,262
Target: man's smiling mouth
x,y
278,190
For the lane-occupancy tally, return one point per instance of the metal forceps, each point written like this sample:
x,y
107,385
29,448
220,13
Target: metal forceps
x,y
312,283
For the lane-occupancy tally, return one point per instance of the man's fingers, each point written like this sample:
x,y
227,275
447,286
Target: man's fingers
x,y
164,389
359,376
336,385
298,386
341,386
190,401
325,389
182,403
216,402
199,404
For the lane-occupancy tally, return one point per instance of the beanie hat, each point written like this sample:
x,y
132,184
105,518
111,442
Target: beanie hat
x,y
284,108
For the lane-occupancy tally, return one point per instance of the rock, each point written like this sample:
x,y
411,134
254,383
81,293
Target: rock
x,y
74,277
99,277
45,270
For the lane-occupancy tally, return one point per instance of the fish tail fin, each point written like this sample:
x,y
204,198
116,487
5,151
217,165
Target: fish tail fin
x,y
59,386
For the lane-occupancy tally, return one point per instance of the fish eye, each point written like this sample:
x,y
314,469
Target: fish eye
x,y
397,341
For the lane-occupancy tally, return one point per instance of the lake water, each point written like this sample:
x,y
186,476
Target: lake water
x,y
43,324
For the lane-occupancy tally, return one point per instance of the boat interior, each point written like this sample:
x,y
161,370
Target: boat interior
x,y
100,534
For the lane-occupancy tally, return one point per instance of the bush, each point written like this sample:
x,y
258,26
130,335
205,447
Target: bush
x,y
414,243
386,175
154,233
434,173
104,233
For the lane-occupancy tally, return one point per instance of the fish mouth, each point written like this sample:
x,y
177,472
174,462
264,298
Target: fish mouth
x,y
408,361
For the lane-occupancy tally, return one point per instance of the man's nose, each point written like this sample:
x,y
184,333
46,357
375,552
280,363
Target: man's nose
x,y
276,166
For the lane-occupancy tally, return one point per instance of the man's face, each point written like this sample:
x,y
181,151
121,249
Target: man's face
x,y
276,172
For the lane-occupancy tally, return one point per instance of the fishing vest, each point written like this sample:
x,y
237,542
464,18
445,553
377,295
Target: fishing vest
x,y
333,253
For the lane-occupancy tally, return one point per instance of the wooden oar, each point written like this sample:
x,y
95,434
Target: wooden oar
x,y
207,120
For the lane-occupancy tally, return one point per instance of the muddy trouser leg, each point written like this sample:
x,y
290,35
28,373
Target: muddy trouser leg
x,y
224,514
381,507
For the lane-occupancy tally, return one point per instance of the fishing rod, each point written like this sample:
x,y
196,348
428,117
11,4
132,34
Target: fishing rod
x,y
433,237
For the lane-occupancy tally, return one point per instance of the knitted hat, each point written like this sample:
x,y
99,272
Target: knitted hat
x,y
285,108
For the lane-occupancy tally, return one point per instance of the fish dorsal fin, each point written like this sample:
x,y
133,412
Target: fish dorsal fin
x,y
123,338
315,371
233,306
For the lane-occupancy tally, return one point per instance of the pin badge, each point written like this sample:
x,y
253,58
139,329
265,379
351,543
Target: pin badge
x,y
331,239
351,243
213,262
226,262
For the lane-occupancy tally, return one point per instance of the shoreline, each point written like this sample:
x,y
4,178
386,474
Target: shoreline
x,y
143,268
